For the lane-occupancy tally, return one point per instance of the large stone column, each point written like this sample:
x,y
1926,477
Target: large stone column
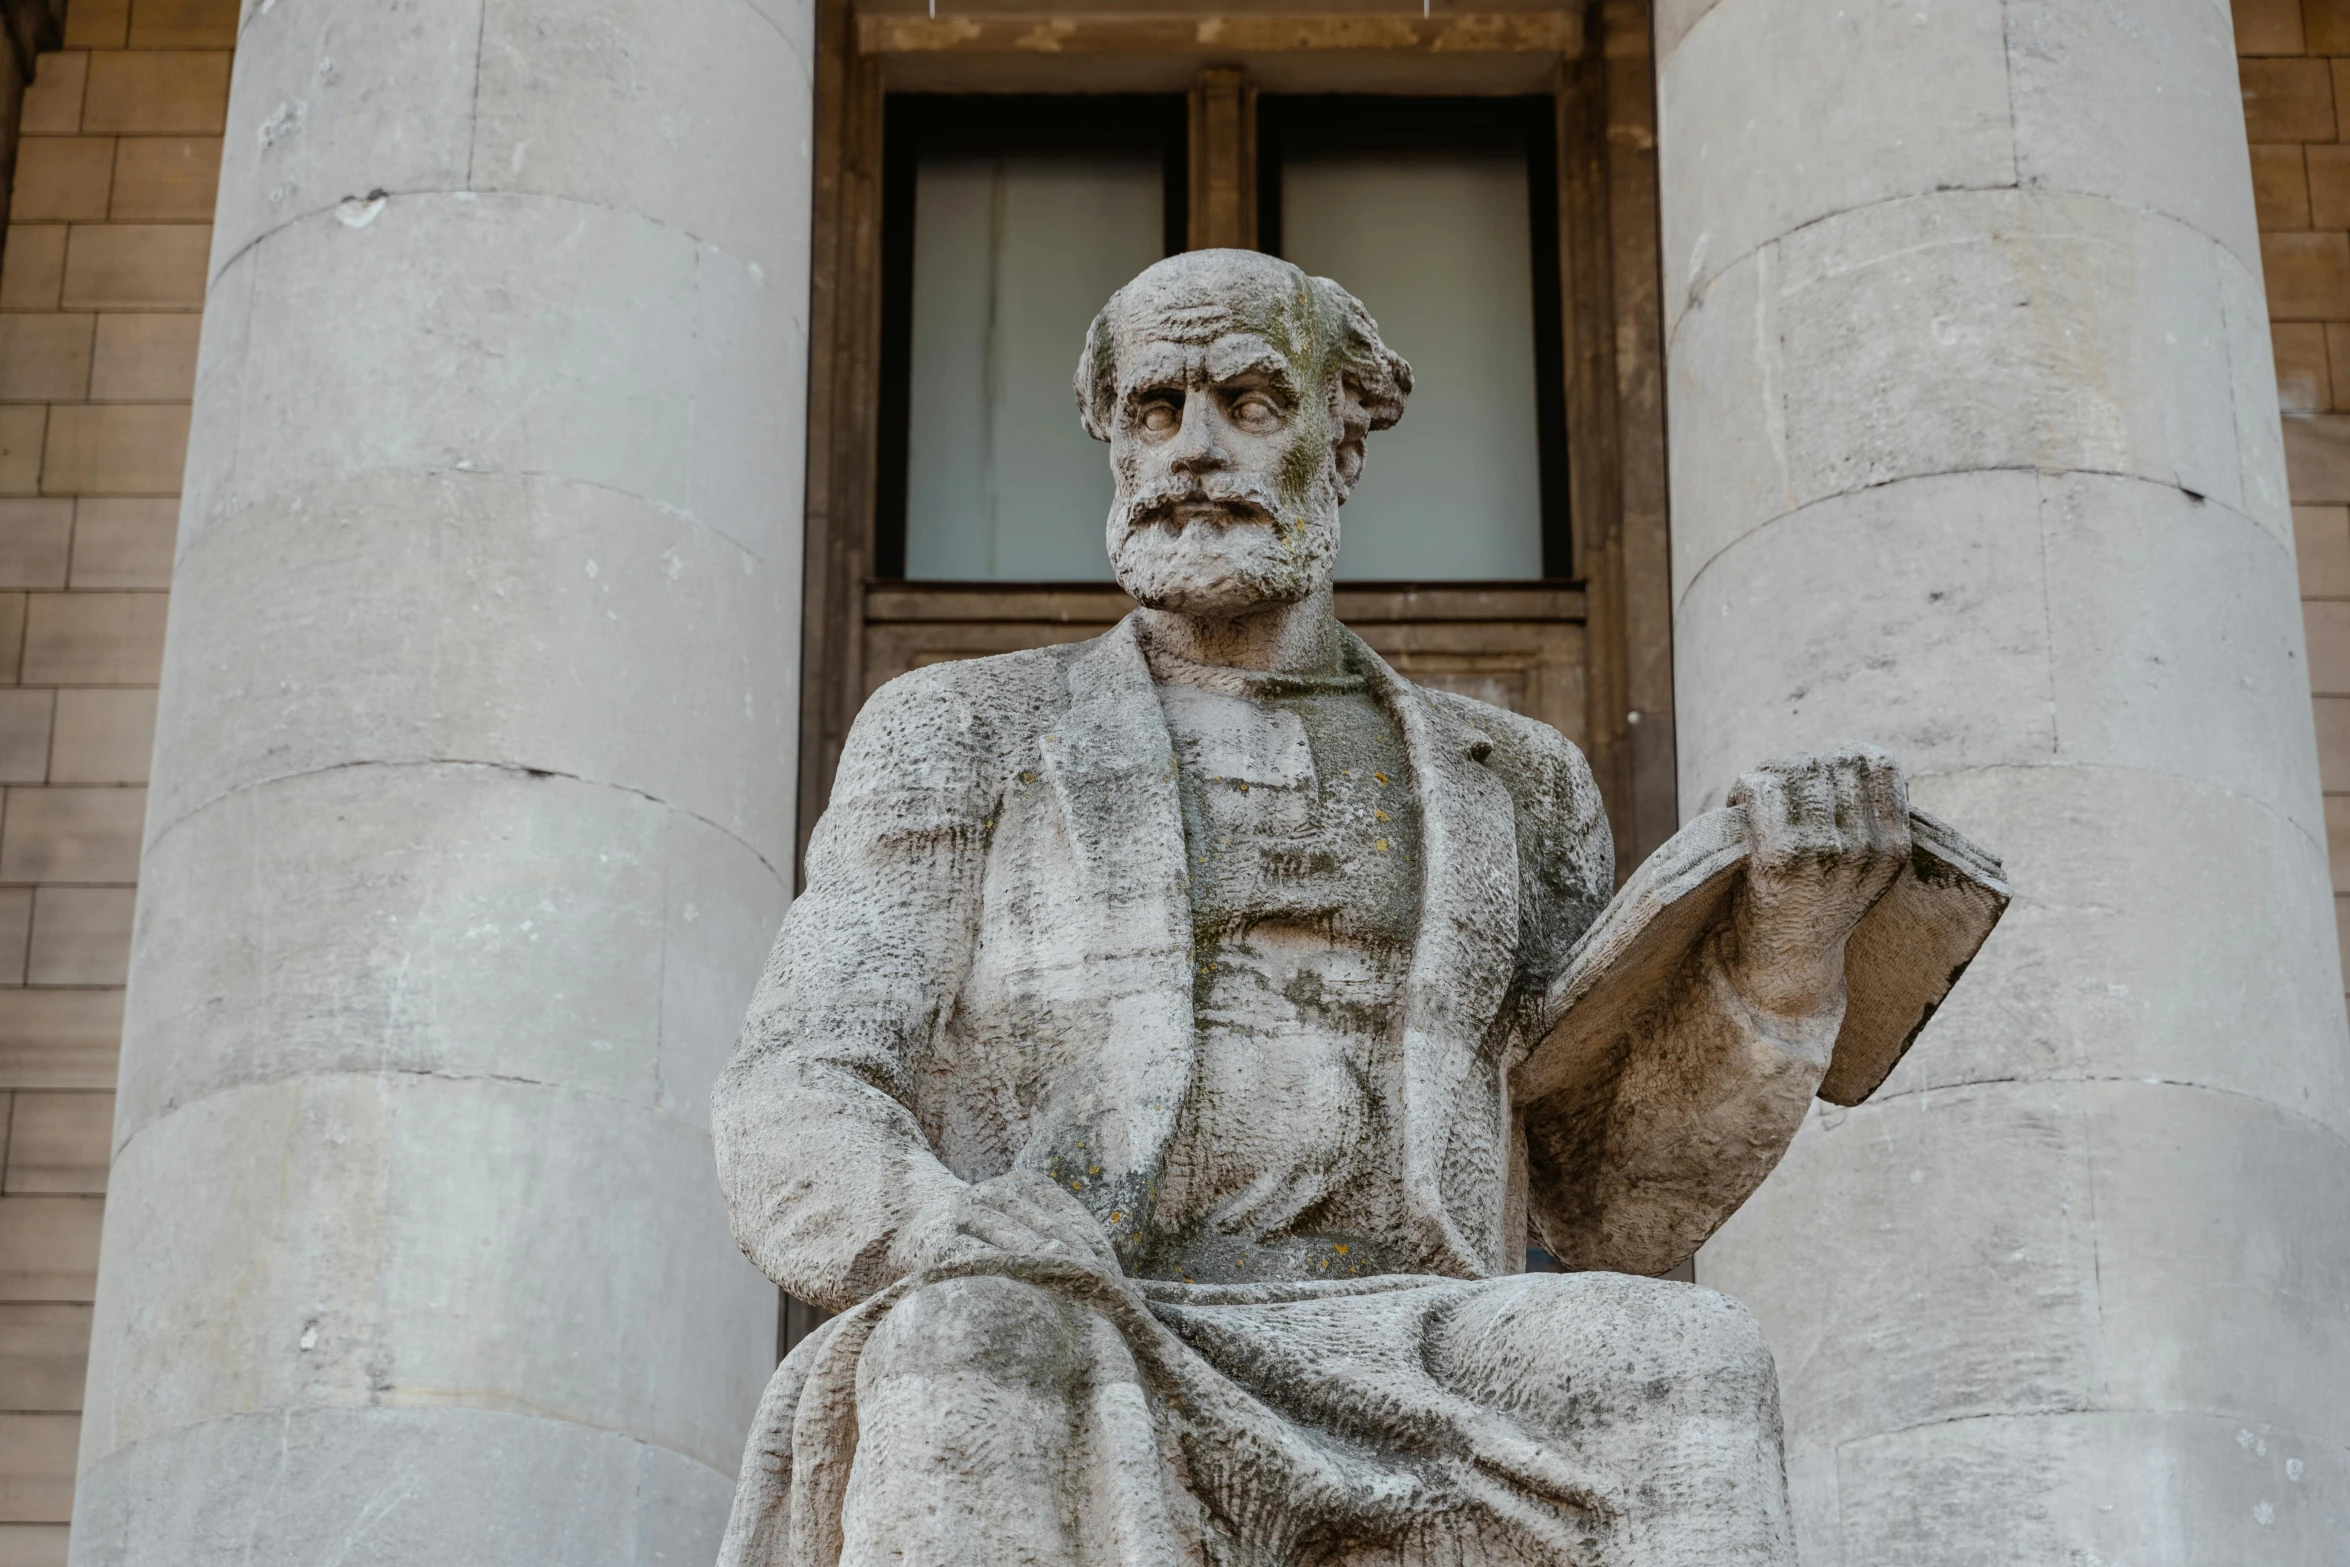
x,y
1975,453
472,802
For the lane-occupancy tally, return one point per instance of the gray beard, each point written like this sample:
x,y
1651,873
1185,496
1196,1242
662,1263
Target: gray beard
x,y
1250,557
1208,568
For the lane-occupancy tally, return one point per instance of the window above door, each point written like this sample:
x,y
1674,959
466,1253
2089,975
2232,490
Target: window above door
x,y
1441,215
1007,221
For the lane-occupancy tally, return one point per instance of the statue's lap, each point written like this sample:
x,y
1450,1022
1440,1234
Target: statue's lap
x,y
1547,1346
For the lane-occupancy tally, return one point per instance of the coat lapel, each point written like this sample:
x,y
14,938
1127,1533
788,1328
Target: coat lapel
x,y
1460,973
1112,770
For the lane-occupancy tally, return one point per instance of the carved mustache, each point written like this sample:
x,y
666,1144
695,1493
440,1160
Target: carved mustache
x,y
1164,506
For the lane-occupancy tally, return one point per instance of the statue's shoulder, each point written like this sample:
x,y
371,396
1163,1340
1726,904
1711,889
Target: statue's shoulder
x,y
1519,742
973,701
1561,819
997,680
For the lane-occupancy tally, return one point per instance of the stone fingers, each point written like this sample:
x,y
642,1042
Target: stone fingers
x,y
1041,1209
1841,811
1791,815
991,1227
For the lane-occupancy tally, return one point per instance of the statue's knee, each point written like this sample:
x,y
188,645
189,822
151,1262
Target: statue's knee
x,y
1610,1340
991,1328
1719,1339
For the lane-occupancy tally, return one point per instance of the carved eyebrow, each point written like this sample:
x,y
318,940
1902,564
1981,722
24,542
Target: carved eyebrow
x,y
1153,370
1232,358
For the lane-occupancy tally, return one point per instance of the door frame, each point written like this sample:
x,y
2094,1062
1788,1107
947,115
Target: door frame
x,y
1595,61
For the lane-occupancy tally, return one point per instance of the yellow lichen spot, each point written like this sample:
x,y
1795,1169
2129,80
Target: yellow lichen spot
x,y
1028,777
1382,777
1076,1186
1093,1169
1116,1215
1381,846
1378,816
1340,1247
1243,784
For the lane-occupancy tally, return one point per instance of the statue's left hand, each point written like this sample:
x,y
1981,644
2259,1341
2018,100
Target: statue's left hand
x,y
1018,1215
1826,835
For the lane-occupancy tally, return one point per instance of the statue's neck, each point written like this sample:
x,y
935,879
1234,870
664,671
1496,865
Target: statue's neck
x,y
1282,639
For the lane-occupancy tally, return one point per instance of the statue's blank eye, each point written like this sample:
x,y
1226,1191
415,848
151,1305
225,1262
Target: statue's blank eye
x,y
1256,413
1160,416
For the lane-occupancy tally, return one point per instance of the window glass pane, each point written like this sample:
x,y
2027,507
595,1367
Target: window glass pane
x,y
1436,245
1012,257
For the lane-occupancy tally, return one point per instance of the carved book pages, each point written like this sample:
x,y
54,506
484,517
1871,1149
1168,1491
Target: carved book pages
x,y
1899,963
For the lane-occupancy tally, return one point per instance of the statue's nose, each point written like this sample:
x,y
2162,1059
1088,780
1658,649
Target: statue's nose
x,y
1197,445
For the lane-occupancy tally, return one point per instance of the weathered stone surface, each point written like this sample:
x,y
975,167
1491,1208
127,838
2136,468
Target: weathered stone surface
x,y
463,921
1125,1074
2099,620
501,333
693,115
336,102
2136,101
2089,1486
473,796
1994,474
389,1487
1774,72
674,111
2103,967
1967,332
2166,1269
1960,583
465,1242
489,619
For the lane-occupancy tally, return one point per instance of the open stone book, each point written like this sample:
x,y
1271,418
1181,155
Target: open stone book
x,y
1901,960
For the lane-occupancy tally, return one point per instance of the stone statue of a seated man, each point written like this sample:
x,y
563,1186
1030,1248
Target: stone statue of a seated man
x,y
1133,1075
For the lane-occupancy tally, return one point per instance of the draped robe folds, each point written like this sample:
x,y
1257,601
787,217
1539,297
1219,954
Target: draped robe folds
x,y
991,971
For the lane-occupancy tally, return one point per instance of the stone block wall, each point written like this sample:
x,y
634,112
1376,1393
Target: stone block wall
x,y
100,289
2294,60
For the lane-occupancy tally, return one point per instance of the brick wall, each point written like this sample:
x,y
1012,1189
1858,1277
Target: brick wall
x,y
2294,58
100,285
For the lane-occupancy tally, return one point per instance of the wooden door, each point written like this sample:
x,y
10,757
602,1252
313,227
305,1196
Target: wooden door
x,y
1588,652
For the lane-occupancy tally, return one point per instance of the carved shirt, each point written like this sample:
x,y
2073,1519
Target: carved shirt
x,y
1302,837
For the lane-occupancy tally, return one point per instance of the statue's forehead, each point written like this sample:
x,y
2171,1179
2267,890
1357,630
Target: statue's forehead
x,y
1197,314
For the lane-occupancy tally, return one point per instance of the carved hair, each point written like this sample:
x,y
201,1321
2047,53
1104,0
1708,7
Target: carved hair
x,y
1369,381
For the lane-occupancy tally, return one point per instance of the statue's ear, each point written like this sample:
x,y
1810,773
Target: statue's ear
x,y
1353,424
1346,455
1097,373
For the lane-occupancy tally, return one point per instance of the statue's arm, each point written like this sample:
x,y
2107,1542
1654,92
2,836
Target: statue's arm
x,y
1718,1069
1711,1090
820,1151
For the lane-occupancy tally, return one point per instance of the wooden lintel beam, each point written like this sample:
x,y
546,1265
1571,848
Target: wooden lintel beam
x,y
1496,32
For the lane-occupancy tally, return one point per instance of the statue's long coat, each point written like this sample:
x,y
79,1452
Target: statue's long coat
x,y
991,969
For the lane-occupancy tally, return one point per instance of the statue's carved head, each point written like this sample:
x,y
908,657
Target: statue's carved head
x,y
1235,392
